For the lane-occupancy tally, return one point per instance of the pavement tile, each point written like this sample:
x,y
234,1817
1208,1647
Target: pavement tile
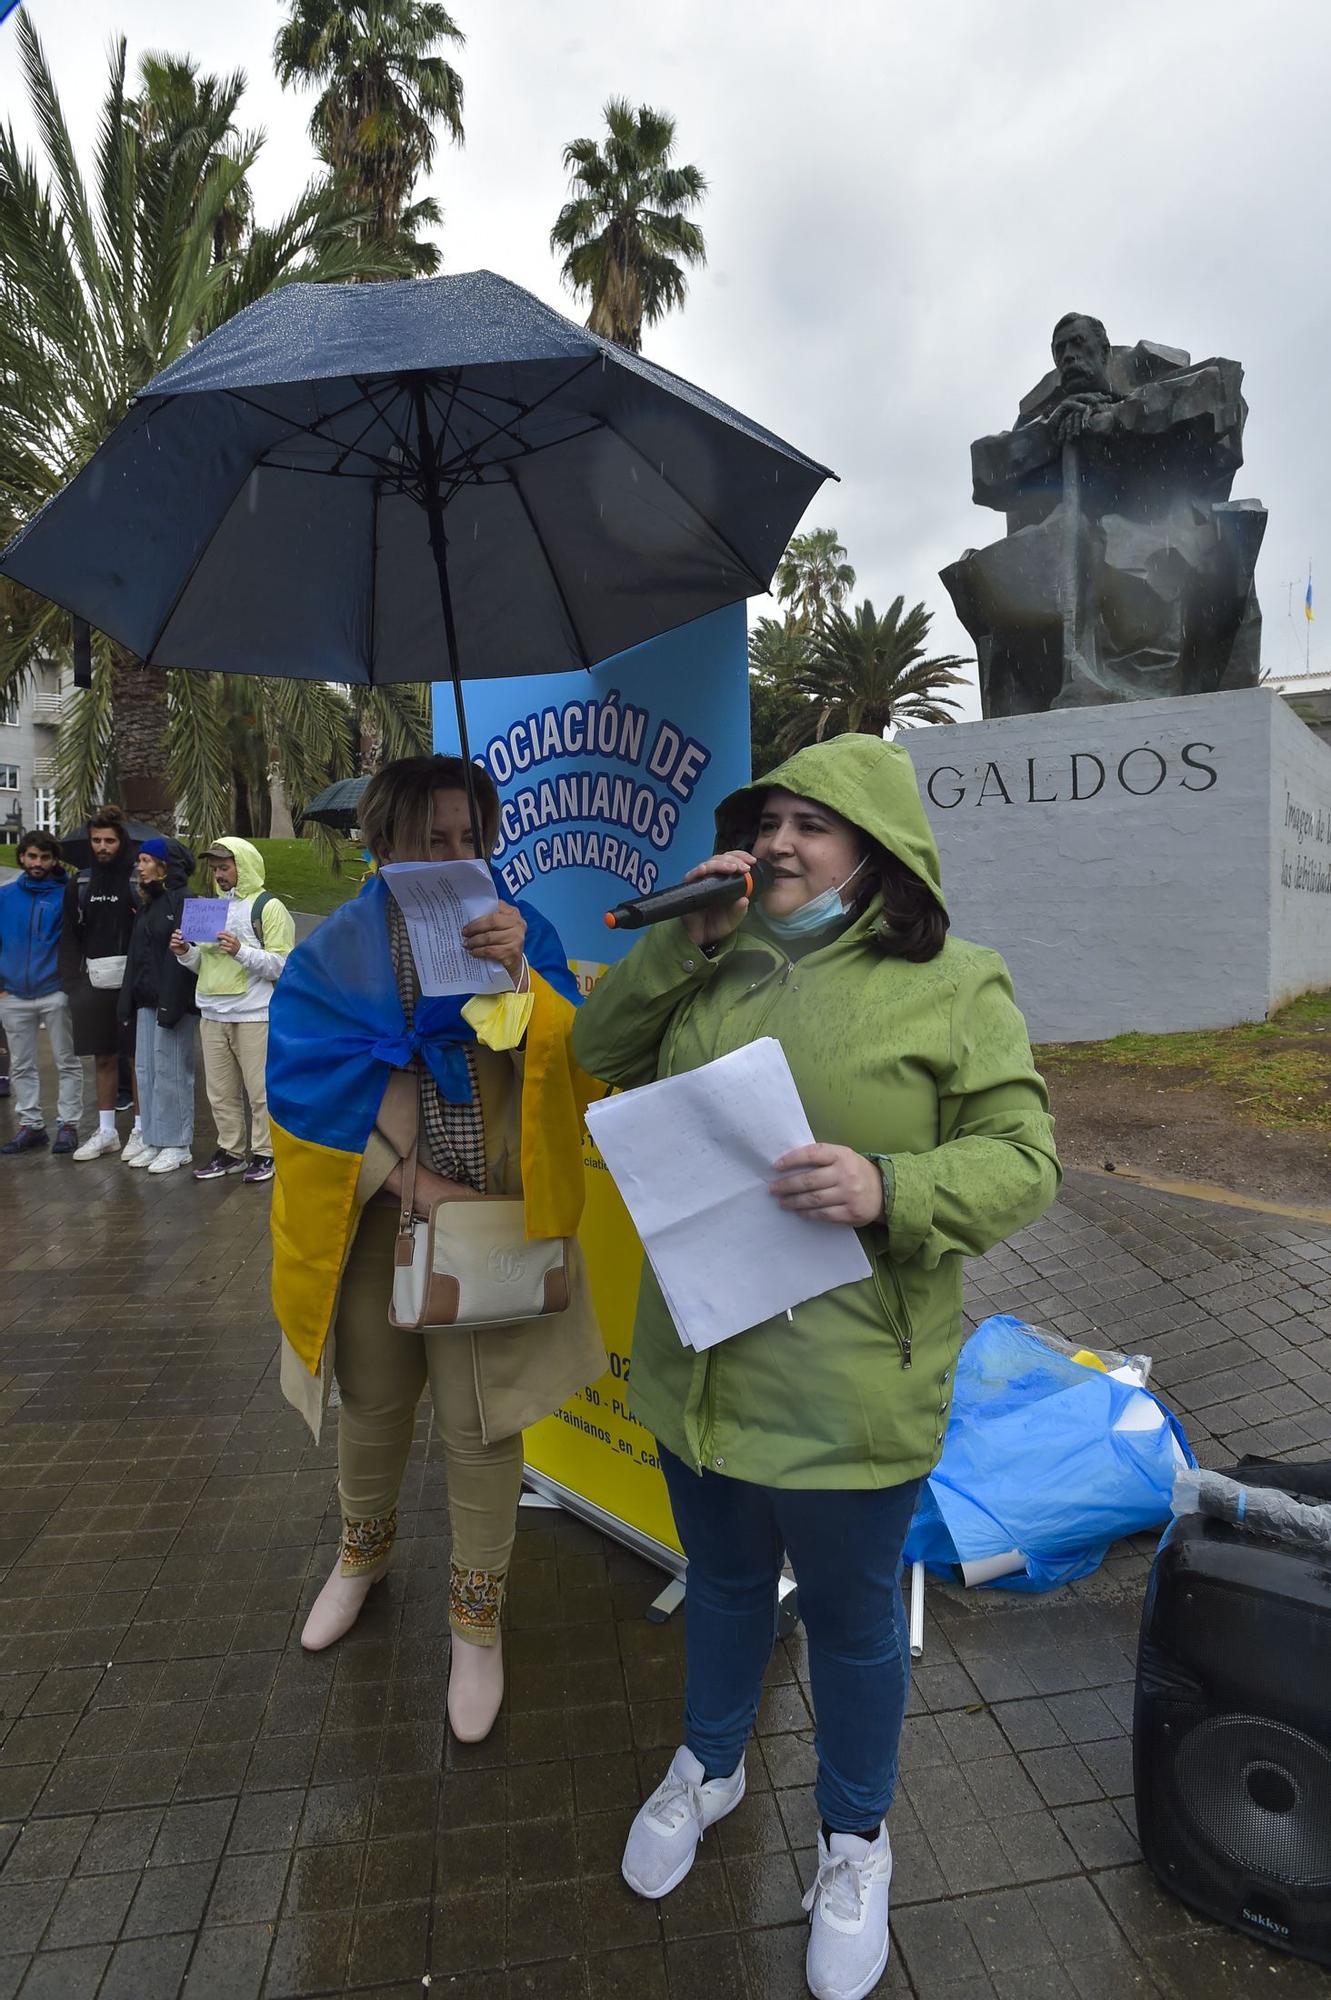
x,y
66,1975
256,1821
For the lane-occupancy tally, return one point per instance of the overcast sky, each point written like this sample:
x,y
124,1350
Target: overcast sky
x,y
905,195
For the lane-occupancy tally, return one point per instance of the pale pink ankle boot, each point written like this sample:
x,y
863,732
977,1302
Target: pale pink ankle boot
x,y
475,1689
336,1608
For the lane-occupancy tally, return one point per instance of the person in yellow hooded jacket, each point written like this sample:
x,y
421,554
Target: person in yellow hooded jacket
x,y
363,1069
236,978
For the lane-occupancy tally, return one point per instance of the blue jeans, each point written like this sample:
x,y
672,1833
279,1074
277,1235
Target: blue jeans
x,y
845,1549
164,1060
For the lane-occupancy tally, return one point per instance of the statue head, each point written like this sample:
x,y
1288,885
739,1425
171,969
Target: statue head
x,y
1081,354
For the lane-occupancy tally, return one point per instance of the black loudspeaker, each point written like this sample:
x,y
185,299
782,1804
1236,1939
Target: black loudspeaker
x,y
1232,1732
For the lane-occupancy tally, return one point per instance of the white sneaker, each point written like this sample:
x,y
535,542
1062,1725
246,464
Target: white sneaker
x,y
169,1159
848,1930
133,1146
145,1155
99,1144
664,1837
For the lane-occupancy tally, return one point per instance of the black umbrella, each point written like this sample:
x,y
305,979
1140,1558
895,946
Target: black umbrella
x,y
336,806
395,482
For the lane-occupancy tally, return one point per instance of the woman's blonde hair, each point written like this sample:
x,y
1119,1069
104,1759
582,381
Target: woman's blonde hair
x,y
397,806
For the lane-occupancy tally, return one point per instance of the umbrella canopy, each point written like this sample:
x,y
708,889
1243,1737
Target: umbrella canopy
x,y
395,482
336,806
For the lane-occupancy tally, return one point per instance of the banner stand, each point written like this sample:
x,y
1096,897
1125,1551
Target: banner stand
x,y
545,1492
608,786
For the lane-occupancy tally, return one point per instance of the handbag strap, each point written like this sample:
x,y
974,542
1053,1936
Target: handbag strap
x,y
407,1219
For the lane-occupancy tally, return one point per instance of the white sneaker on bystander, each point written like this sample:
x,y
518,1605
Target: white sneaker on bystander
x,y
98,1146
849,1939
664,1837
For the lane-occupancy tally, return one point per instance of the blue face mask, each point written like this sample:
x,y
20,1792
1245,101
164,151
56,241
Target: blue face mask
x,y
818,914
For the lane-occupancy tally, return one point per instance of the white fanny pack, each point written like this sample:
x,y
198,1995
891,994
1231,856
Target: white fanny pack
x,y
104,972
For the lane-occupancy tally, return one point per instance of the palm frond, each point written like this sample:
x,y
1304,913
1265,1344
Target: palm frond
x,y
199,758
86,743
399,716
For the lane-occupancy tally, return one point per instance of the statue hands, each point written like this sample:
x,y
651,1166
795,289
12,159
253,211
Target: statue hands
x,y
1089,413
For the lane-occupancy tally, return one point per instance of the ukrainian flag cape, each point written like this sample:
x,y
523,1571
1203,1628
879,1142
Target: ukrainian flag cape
x,y
336,1032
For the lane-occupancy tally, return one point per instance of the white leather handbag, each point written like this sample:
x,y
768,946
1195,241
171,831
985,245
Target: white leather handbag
x,y
470,1263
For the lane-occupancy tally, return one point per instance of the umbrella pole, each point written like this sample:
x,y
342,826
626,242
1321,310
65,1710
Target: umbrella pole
x,y
434,514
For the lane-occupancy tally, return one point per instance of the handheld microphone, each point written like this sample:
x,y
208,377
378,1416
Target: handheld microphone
x,y
686,897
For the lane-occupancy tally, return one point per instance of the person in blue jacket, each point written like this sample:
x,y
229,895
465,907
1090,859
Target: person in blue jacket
x,y
32,996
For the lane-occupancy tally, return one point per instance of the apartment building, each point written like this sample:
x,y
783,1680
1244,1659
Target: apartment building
x,y
29,718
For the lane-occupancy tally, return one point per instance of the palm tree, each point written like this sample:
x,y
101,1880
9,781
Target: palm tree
x,y
625,232
865,672
385,89
100,287
777,649
813,577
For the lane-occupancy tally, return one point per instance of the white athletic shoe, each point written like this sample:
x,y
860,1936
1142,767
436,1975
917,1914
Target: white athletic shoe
x,y
99,1144
145,1155
664,1837
133,1146
848,1904
169,1159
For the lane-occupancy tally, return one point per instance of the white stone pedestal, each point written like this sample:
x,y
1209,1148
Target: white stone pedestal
x,y
1154,865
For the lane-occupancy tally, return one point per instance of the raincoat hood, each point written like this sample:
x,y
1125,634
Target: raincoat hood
x,y
869,782
179,865
249,867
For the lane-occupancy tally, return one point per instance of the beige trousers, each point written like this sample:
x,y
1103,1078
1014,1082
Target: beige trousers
x,y
235,1057
381,1372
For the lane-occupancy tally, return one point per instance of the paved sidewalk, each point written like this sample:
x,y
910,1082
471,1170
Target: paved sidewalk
x,y
192,1806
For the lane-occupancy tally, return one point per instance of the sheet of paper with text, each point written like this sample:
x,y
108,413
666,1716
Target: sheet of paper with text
x,y
693,1156
204,918
437,898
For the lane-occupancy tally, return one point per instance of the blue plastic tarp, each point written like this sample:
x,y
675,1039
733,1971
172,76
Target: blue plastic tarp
x,y
1045,1456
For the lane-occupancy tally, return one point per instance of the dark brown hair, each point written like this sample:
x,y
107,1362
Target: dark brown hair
x,y
912,923
111,819
45,843
397,806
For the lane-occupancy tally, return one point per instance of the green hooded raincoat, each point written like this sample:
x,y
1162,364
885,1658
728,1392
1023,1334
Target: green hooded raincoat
x,y
928,1066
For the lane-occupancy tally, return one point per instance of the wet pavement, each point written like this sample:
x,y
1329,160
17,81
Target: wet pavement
x,y
189,1805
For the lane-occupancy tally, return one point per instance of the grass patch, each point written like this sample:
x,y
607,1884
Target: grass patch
x,y
297,874
1276,1073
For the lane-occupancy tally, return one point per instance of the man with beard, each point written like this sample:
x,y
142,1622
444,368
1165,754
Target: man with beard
x,y
99,916
32,997
1127,571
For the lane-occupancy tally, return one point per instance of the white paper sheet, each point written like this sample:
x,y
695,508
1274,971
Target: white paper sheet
x,y
693,1156
437,898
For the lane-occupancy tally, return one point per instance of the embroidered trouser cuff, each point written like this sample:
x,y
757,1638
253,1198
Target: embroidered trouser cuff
x,y
366,1545
475,1599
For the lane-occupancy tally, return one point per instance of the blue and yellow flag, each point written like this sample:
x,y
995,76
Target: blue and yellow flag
x,y
1308,601
336,1032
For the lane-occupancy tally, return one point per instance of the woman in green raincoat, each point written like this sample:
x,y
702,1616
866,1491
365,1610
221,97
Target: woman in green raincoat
x,y
810,1434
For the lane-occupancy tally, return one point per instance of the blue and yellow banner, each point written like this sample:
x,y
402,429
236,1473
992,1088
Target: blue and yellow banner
x,y
608,783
